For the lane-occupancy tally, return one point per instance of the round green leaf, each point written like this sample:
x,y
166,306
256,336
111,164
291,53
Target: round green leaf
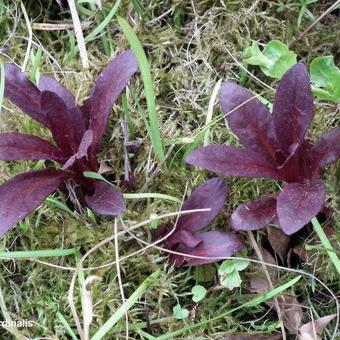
x,y
198,293
180,313
231,280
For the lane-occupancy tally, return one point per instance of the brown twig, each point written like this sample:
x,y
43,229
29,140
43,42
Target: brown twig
x,y
270,283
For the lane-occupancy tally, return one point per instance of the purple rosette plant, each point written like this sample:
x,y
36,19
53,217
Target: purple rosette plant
x,y
188,237
77,132
274,147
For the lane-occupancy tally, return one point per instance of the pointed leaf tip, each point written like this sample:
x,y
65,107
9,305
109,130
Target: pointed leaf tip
x,y
106,90
293,107
249,119
211,194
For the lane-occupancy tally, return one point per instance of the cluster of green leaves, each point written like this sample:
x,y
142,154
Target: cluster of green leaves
x,y
229,273
276,59
198,293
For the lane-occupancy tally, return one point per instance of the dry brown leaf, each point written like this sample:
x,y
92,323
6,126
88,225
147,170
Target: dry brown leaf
x,y
313,330
259,284
279,241
291,312
268,258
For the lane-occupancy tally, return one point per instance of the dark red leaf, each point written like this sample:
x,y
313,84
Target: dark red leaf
x,y
84,145
105,200
52,85
110,83
326,150
293,108
297,166
22,93
212,194
279,241
22,194
250,121
214,244
59,122
77,119
233,161
298,203
17,146
254,215
184,237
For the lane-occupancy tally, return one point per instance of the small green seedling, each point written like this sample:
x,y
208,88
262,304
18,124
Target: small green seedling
x,y
274,60
198,293
304,12
180,313
229,273
325,78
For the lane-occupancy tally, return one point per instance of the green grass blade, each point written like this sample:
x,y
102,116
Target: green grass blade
x,y
138,293
95,175
97,31
60,205
152,195
210,111
252,303
9,255
66,325
35,58
148,88
325,242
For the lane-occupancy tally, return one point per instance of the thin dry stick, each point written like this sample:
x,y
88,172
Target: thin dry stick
x,y
120,282
54,27
330,9
79,33
276,302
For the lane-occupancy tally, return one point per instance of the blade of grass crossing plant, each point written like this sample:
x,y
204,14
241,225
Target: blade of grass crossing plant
x,y
66,325
35,58
37,253
325,242
210,111
148,88
99,29
95,175
145,335
60,205
252,303
138,293
152,195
